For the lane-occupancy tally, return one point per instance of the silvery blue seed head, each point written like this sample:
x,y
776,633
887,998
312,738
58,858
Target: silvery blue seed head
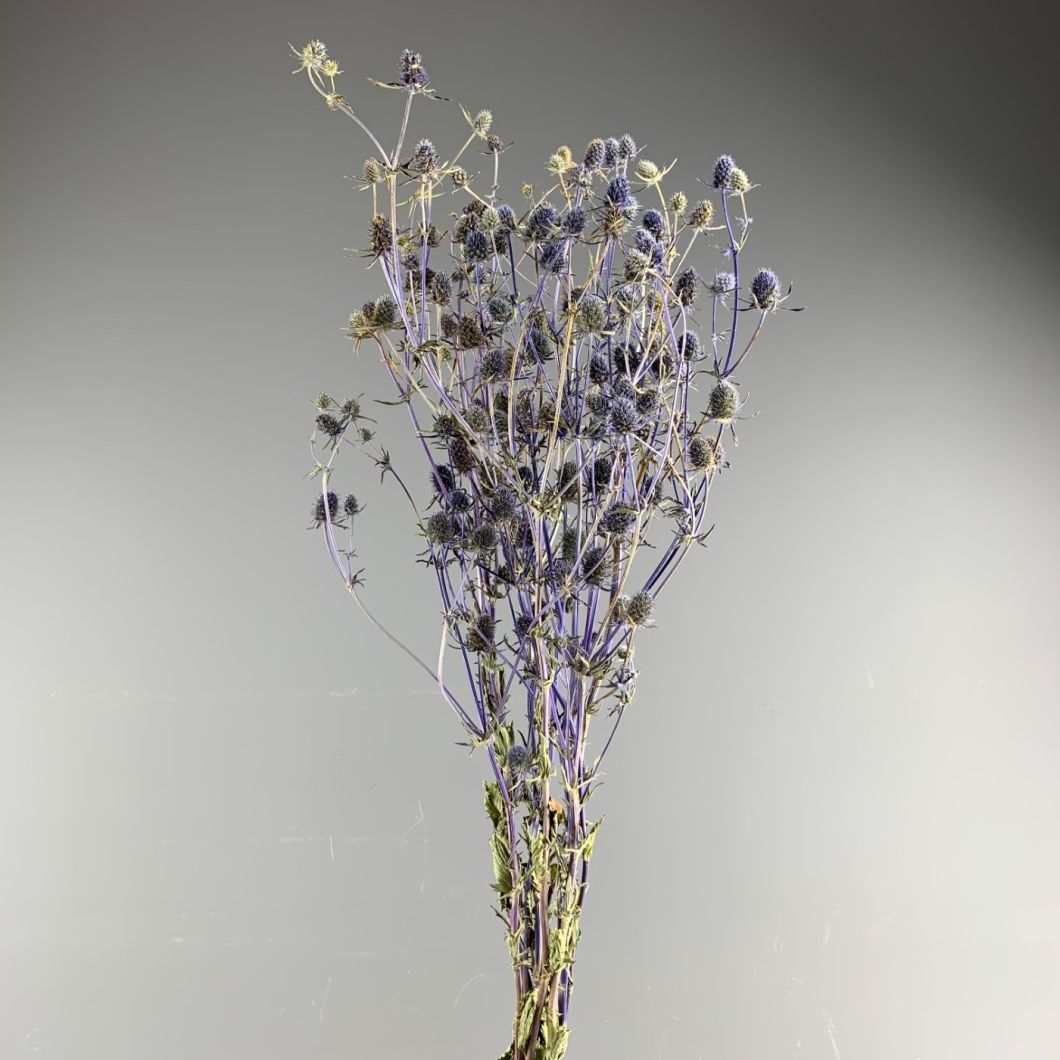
x,y
441,528
443,475
425,158
542,222
504,504
501,308
506,217
553,257
623,418
574,221
594,154
518,759
598,368
723,402
723,283
323,511
351,506
610,151
689,346
686,287
764,288
592,314
723,168
644,241
411,69
627,147
598,403
495,364
618,519
329,425
476,246
640,609
618,191
653,222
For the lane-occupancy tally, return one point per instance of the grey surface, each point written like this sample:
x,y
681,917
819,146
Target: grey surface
x,y
233,821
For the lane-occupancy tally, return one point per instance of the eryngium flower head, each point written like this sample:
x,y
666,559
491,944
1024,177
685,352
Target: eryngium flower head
x,y
325,510
723,402
739,180
592,314
619,192
636,265
618,519
542,222
518,758
553,257
507,218
705,453
425,157
627,146
385,311
678,203
640,609
441,529
501,308
689,346
351,506
504,504
379,234
483,537
482,122
611,149
574,221
480,633
702,214
594,154
328,425
723,168
653,222
594,565
411,69
460,500
443,476
495,364
439,289
686,287
723,283
461,455
476,246
599,371
373,170
764,288
469,332
623,417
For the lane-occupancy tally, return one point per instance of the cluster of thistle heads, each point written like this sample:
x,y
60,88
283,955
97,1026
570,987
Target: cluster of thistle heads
x,y
567,367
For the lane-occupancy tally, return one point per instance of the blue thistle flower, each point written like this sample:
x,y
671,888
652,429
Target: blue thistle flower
x,y
322,512
640,609
542,222
689,346
518,758
476,246
618,191
501,308
594,154
723,168
506,217
351,506
623,418
653,221
329,425
644,241
627,147
441,529
411,69
723,283
553,257
574,221
495,364
460,500
610,151
598,369
425,158
686,287
443,475
764,287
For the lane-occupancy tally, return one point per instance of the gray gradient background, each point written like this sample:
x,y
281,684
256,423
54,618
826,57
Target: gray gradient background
x,y
233,821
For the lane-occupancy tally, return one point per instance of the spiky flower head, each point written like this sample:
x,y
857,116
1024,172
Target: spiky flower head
x,y
482,538
507,217
592,314
327,424
443,478
494,144
501,308
411,69
618,519
764,288
518,757
326,508
689,346
627,147
351,506
481,632
648,172
542,222
640,608
425,158
723,283
686,287
594,154
439,289
723,168
623,418
594,566
654,222
385,311
481,122
619,192
323,402
311,56
705,452
678,202
553,257
373,170
573,222
702,214
476,246
379,234
459,176
636,265
723,402
739,181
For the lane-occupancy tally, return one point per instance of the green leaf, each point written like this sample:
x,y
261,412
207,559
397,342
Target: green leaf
x,y
526,1017
501,869
494,802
